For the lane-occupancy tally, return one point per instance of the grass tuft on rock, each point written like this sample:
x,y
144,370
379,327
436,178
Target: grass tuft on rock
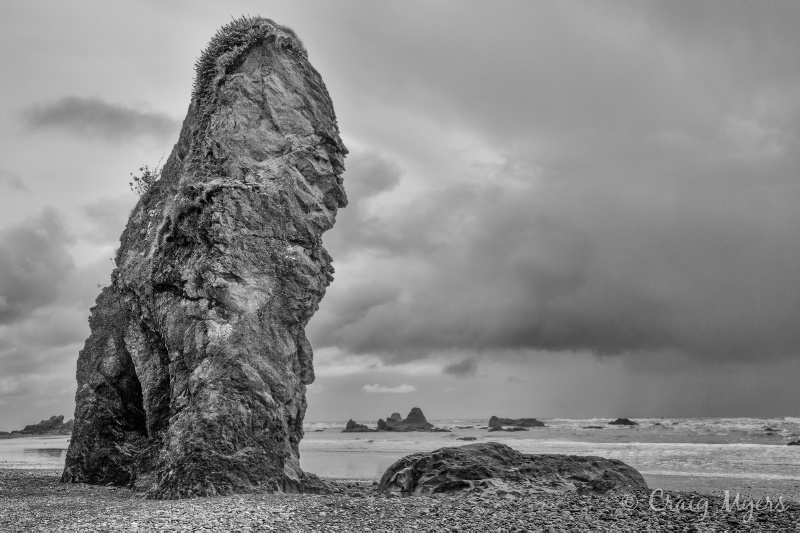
x,y
231,42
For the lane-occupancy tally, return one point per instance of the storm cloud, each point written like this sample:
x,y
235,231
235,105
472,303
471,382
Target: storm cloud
x,y
34,264
617,196
97,119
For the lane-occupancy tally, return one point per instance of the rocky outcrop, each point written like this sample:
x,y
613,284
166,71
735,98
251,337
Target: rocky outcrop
x,y
415,421
354,427
495,422
623,422
467,438
592,427
794,443
513,428
476,467
193,379
55,425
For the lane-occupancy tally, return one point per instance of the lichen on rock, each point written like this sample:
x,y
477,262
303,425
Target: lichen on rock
x,y
192,381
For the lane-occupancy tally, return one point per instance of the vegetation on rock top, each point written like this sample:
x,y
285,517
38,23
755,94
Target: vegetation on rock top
x,y
231,42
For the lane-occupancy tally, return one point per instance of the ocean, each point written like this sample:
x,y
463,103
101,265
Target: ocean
x,y
712,447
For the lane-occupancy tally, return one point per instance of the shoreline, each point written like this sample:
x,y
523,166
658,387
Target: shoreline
x,y
35,500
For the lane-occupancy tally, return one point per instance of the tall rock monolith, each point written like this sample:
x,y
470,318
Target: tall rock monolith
x,y
193,379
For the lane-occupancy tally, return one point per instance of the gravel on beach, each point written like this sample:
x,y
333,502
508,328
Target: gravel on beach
x,y
36,501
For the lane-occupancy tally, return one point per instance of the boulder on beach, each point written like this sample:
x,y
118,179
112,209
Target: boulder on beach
x,y
355,427
513,428
483,466
467,438
592,427
193,379
496,422
623,422
794,443
415,421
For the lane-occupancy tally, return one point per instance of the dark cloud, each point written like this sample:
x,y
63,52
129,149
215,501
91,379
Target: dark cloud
x,y
12,180
108,217
368,175
596,252
98,119
464,368
34,265
638,195
38,352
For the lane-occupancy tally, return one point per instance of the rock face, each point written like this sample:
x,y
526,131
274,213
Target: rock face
x,y
495,422
354,427
415,421
481,466
193,379
623,422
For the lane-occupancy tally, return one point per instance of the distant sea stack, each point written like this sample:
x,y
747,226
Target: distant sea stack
x,y
355,427
193,379
623,422
415,421
495,422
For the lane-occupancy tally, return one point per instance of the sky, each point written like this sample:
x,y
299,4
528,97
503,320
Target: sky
x,y
557,209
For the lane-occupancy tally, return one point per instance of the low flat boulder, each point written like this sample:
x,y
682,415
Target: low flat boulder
x,y
514,428
592,427
486,466
496,422
623,422
476,438
355,427
794,443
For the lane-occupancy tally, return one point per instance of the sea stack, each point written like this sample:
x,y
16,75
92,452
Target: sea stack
x,y
193,379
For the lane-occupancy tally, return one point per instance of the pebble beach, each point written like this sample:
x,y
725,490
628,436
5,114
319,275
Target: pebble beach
x,y
35,500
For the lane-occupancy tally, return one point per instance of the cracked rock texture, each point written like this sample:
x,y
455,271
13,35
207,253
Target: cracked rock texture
x,y
193,379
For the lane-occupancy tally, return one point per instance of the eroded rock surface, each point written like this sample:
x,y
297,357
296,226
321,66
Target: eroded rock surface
x,y
493,466
193,379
